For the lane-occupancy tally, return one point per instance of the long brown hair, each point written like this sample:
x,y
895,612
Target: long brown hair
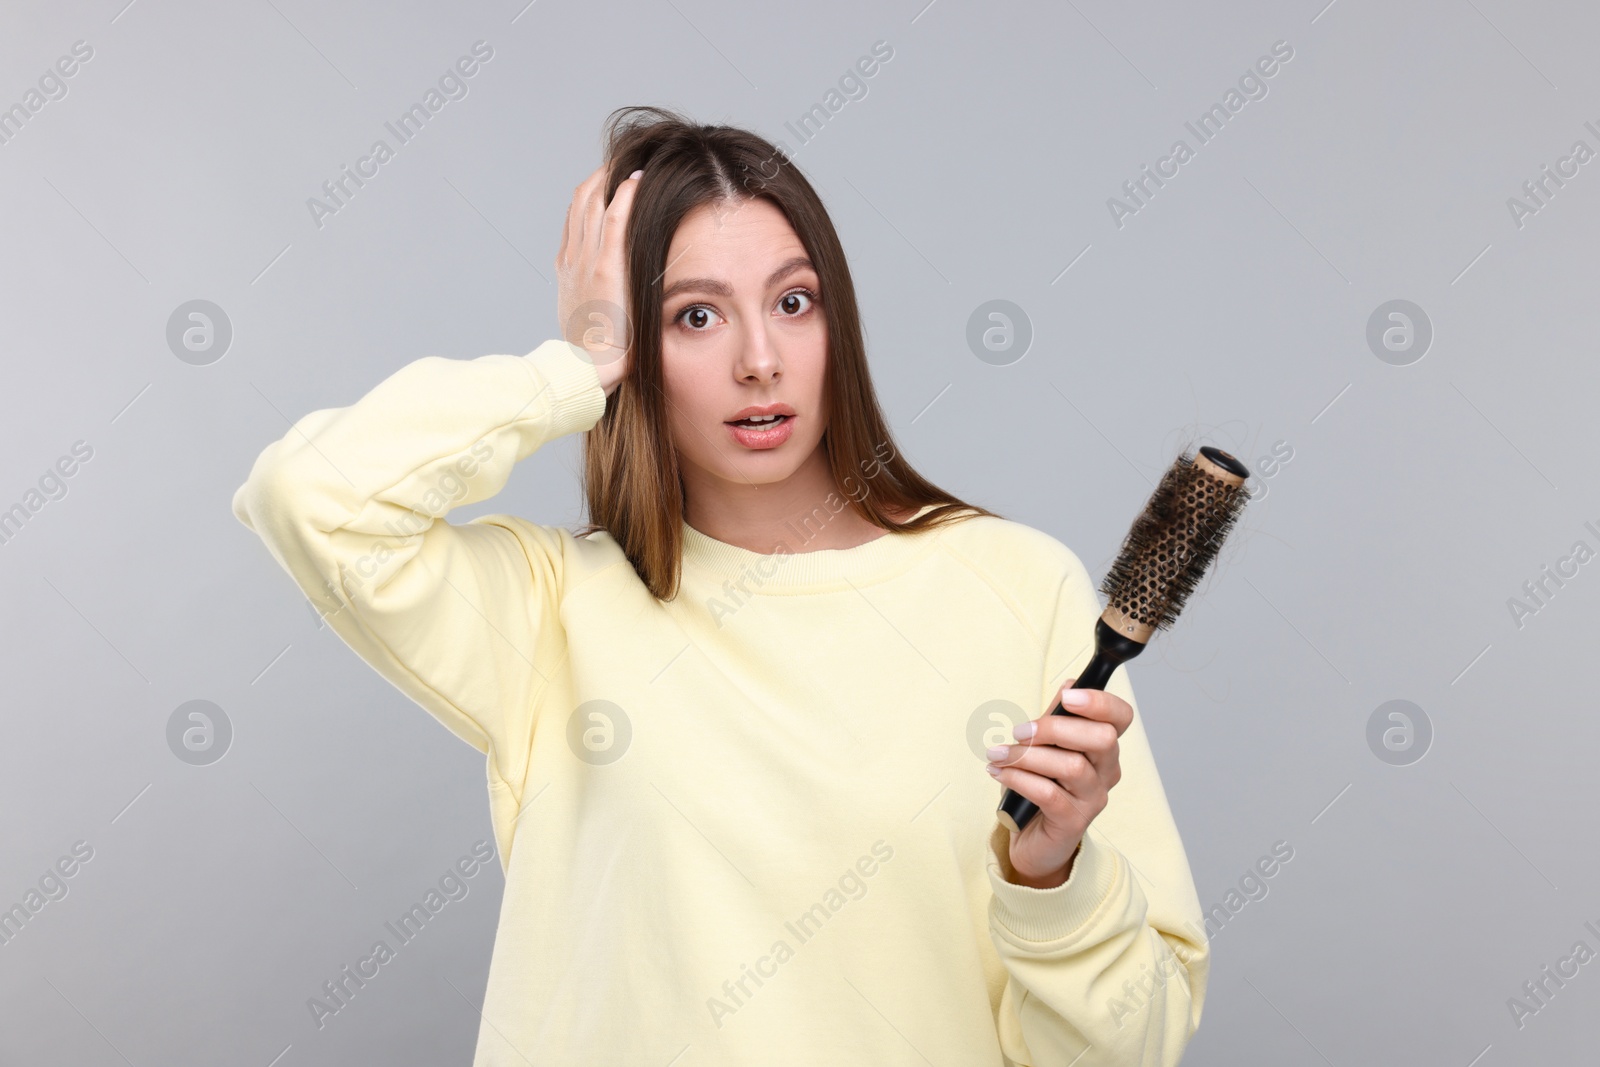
x,y
632,481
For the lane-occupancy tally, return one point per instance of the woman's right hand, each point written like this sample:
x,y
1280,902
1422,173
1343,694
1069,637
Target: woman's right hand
x,y
592,297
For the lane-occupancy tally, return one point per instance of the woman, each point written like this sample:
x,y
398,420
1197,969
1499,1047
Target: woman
x,y
731,726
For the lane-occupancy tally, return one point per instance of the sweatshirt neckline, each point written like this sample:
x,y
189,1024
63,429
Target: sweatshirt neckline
x,y
794,569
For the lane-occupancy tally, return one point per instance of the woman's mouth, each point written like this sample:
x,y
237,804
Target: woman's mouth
x,y
761,431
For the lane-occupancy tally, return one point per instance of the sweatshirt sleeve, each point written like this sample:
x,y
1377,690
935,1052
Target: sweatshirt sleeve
x,y
1110,967
464,619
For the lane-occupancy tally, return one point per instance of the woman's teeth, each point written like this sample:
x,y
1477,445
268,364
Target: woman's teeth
x,y
760,420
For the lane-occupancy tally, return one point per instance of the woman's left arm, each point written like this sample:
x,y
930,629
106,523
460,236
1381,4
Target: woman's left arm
x,y
1108,966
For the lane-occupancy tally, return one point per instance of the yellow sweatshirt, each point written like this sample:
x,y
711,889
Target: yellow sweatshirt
x,y
750,826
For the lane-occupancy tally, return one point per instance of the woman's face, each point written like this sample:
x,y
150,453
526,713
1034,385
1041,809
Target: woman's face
x,y
742,327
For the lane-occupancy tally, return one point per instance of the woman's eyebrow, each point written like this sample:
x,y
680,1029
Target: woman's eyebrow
x,y
718,287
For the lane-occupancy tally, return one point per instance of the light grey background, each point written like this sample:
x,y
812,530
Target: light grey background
x,y
1231,309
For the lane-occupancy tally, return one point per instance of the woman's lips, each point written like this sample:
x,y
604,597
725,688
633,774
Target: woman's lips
x,y
771,436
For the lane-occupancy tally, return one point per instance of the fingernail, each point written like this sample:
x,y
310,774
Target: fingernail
x,y
997,753
636,174
994,771
1024,730
1074,698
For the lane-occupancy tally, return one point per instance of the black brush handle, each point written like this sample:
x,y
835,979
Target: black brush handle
x,y
1111,650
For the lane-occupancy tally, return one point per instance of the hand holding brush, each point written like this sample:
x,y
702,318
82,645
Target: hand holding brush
x,y
1166,553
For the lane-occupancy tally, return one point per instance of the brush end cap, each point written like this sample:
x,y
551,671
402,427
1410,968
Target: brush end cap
x,y
1220,465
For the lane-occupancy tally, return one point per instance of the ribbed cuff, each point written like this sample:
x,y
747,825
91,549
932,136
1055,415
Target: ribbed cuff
x,y
1042,915
576,398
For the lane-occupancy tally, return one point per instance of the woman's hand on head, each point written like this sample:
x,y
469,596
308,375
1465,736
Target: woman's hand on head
x,y
1067,767
592,296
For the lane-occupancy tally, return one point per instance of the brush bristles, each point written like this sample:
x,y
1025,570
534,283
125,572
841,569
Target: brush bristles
x,y
1172,543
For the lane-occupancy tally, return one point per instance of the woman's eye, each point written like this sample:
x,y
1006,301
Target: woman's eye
x,y
695,316
787,301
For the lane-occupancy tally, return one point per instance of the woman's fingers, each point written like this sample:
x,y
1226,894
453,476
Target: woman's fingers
x,y
1079,753
1090,739
1071,767
593,212
614,228
1057,803
592,295
572,233
1096,704
592,240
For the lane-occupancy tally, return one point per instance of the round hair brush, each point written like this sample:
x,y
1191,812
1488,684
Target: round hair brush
x,y
1162,560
